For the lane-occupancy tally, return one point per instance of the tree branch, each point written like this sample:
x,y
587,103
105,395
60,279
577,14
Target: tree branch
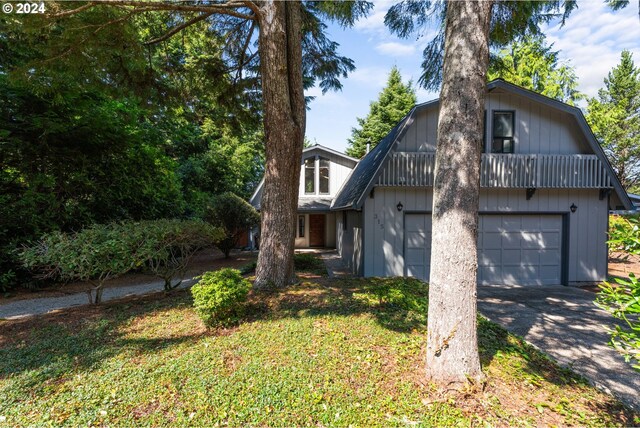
x,y
222,8
179,28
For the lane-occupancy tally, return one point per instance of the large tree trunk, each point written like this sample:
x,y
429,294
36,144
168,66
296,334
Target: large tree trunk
x,y
452,348
280,48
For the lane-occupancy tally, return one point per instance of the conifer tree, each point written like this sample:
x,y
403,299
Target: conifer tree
x,y
614,116
394,102
531,63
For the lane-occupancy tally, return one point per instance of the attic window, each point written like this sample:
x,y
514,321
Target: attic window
x,y
324,176
310,175
503,132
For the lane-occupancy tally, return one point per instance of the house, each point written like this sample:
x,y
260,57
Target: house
x,y
323,172
546,191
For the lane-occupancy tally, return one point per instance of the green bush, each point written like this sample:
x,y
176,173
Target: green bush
x,y
624,234
623,302
234,215
309,263
167,246
219,296
102,252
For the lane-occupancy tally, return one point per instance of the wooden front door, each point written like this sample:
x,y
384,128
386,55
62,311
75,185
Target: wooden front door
x,y
316,230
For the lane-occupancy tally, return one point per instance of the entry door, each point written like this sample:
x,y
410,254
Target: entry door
x,y
316,230
418,245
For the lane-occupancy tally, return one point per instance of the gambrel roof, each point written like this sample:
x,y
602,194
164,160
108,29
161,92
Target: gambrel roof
x,y
363,178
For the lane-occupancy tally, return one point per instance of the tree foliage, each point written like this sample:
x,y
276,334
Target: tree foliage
x,y
234,216
393,103
531,63
509,20
614,117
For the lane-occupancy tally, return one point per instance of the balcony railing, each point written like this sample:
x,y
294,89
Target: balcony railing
x,y
504,170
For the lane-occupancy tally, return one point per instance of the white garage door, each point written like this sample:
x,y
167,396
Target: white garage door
x,y
417,253
512,249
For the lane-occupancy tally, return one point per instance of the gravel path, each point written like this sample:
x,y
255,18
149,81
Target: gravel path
x,y
42,305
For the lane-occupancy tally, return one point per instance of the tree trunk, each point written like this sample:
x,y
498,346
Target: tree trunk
x,y
280,48
452,346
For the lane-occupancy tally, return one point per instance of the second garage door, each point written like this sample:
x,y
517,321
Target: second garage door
x,y
512,249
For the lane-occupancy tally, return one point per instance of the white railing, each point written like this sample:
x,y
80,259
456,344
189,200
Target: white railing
x,y
504,170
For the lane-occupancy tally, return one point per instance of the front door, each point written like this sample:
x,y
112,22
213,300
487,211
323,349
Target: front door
x,y
316,230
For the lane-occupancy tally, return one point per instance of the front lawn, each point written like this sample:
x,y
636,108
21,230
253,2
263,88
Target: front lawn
x,y
325,352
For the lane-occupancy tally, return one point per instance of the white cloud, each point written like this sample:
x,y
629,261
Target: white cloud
x,y
331,98
374,23
373,77
396,49
593,39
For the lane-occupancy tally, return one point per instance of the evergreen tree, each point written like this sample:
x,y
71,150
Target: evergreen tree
x,y
394,102
531,63
614,117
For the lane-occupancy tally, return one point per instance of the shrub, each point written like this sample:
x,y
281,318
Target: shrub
x,y
167,246
624,234
309,263
234,215
219,296
95,254
623,302
102,252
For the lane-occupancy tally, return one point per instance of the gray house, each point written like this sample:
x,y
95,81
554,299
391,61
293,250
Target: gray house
x,y
323,172
546,191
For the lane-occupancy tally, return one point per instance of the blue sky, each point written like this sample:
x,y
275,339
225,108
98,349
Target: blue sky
x,y
591,41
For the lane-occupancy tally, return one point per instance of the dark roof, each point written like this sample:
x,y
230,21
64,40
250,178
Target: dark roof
x,y
307,204
363,177
314,204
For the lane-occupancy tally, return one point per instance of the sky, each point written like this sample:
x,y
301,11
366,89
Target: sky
x,y
591,41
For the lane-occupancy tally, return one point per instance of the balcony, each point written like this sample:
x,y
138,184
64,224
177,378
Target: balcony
x,y
407,169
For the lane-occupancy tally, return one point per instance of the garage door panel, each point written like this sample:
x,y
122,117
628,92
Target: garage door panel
x,y
530,223
511,240
417,240
415,256
529,257
550,257
490,257
492,241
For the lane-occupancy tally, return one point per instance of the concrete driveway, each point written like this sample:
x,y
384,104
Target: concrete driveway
x,y
564,323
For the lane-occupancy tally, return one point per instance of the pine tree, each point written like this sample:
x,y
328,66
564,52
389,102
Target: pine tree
x,y
532,64
614,117
394,102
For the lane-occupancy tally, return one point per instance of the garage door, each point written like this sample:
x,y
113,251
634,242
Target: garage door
x,y
512,249
417,253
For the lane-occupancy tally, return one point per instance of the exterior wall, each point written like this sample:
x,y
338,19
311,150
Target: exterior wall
x,y
339,170
349,240
538,128
586,259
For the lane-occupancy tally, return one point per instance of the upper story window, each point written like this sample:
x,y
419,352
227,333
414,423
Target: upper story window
x,y
324,176
310,175
316,175
503,132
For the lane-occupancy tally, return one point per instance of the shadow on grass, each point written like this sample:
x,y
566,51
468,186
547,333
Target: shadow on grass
x,y
57,345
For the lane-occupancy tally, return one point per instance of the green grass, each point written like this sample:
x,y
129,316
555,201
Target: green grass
x,y
325,352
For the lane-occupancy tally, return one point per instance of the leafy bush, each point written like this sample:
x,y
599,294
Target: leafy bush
x,y
167,246
624,234
102,252
219,295
234,215
95,254
623,302
309,263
